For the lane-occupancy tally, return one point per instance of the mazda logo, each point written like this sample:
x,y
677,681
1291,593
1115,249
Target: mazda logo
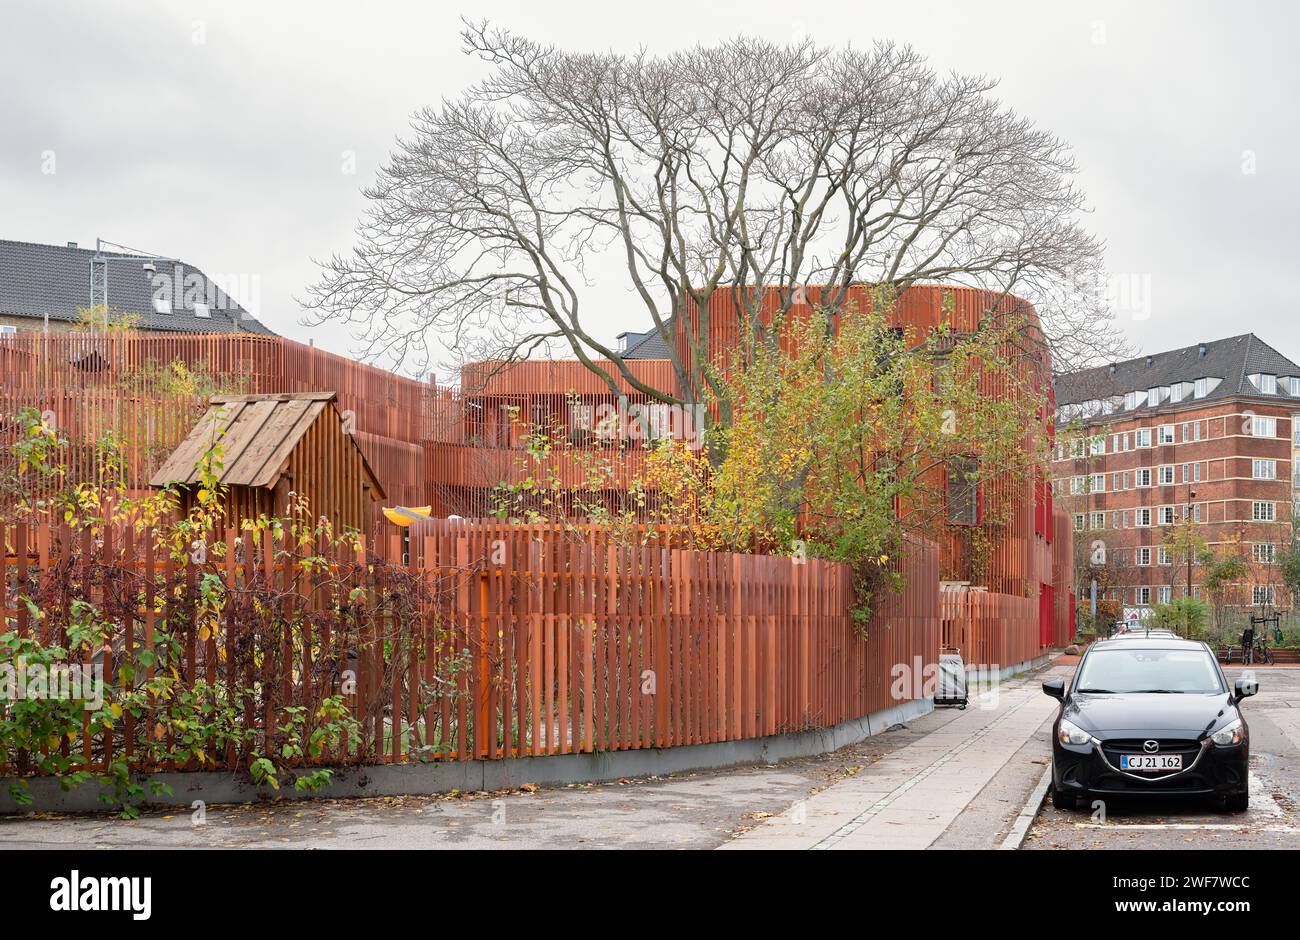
x,y
1150,746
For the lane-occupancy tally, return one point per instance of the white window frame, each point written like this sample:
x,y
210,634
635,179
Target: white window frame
x,y
1263,468
1263,426
1263,510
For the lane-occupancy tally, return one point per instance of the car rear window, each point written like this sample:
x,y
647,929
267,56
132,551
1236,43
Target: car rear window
x,y
1138,669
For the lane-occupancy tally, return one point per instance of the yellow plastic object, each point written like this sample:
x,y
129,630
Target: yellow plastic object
x,y
404,515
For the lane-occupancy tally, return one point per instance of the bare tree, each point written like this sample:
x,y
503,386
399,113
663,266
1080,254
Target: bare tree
x,y
743,167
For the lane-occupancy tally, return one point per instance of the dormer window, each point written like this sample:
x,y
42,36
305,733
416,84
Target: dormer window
x,y
1206,385
201,310
162,305
1134,399
1267,384
1176,392
1153,397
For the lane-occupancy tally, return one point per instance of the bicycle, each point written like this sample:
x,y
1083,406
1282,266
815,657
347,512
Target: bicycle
x,y
1261,653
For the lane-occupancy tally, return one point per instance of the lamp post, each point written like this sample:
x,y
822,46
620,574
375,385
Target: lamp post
x,y
1187,550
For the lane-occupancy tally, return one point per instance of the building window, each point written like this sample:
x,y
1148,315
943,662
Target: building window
x,y
1142,516
1262,552
1078,522
1099,482
1261,595
1142,556
1165,515
1143,437
1202,388
6,330
1268,384
1191,473
1263,427
1099,520
1164,594
1143,476
1142,595
1165,474
1076,486
1176,392
1191,431
1261,469
1166,434
1164,557
963,491
1097,445
1263,511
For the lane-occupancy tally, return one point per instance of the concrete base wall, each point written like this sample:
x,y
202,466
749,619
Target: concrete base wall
x,y
215,787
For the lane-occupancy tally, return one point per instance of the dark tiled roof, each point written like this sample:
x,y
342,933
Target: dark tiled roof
x,y
36,280
648,345
1230,360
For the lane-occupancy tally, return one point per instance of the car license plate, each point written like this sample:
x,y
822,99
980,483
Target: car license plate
x,y
1151,762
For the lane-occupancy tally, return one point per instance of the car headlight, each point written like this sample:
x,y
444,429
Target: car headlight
x,y
1232,733
1070,733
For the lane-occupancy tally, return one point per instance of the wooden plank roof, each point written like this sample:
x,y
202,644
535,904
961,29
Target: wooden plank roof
x,y
260,432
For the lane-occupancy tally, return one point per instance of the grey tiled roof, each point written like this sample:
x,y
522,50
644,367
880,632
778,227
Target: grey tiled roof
x,y
36,280
648,345
1230,360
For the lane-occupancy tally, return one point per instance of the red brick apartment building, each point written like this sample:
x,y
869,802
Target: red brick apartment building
x,y
1206,431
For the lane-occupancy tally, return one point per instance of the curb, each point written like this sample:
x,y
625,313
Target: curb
x,y
1020,828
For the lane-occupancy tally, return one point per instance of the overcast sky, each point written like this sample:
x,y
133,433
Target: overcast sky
x,y
237,135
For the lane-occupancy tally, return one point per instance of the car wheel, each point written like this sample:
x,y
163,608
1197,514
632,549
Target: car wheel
x,y
1237,802
1063,800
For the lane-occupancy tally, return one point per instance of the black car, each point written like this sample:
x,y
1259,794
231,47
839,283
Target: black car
x,y
1149,716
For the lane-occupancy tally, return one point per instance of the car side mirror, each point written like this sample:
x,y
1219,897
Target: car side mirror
x,y
1056,687
1242,688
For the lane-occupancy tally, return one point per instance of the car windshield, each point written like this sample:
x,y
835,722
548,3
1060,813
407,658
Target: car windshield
x,y
1138,669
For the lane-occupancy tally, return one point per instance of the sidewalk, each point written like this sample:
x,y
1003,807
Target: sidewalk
x,y
909,798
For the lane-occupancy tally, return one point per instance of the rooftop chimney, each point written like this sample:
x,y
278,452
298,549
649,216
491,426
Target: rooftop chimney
x,y
1201,350
72,244
1149,361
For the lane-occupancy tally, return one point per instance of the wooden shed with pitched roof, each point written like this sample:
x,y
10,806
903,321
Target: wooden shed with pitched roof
x,y
274,445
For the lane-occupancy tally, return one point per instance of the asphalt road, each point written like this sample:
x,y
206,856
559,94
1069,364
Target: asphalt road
x,y
1272,822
